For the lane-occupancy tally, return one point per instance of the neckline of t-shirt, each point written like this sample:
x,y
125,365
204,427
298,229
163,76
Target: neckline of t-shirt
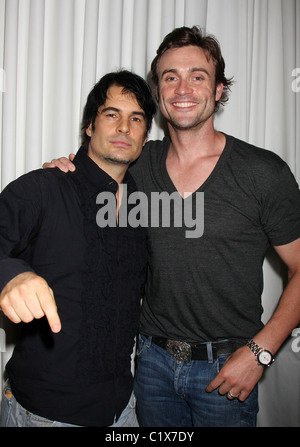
x,y
170,187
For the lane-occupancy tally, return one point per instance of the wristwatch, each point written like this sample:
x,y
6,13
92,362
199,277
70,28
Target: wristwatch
x,y
264,357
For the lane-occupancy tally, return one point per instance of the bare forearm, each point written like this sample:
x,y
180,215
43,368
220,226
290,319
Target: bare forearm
x,y
285,318
241,372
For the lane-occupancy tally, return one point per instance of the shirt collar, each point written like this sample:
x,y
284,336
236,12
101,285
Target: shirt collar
x,y
96,179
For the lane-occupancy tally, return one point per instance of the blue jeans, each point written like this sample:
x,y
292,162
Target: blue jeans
x,y
14,415
171,394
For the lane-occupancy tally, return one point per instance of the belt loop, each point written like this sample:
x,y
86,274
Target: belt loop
x,y
209,352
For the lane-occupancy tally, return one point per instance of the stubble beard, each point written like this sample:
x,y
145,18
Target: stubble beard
x,y
198,122
117,161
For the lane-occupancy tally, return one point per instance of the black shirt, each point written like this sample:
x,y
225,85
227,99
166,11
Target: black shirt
x,y
81,375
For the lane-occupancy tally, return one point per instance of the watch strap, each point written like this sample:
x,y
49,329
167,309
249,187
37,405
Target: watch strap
x,y
254,347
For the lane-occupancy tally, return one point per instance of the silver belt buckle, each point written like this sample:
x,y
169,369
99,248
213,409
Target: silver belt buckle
x,y
180,350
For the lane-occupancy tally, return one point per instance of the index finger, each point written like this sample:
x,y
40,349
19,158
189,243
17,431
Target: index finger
x,y
214,384
50,310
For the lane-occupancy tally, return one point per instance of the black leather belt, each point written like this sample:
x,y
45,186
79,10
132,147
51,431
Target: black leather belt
x,y
186,352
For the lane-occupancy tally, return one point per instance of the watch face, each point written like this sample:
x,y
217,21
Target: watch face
x,y
264,357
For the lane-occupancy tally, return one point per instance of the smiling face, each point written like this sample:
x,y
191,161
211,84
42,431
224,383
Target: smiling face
x,y
187,92
119,132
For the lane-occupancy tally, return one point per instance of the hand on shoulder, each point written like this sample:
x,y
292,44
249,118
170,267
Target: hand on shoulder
x,y
62,163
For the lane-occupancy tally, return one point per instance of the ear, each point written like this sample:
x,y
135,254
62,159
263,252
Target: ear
x,y
219,91
89,130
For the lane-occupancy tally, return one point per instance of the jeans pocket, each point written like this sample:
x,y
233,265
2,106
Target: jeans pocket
x,y
6,405
7,393
142,345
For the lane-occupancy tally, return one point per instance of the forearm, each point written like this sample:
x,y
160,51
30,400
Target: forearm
x,y
241,372
285,318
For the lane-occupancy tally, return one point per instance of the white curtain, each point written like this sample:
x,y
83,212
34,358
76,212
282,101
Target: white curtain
x,y
53,51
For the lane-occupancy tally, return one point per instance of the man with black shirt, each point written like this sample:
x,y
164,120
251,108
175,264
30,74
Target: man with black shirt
x,y
77,285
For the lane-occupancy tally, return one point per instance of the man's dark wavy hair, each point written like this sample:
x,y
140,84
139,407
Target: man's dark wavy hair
x,y
184,36
131,83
